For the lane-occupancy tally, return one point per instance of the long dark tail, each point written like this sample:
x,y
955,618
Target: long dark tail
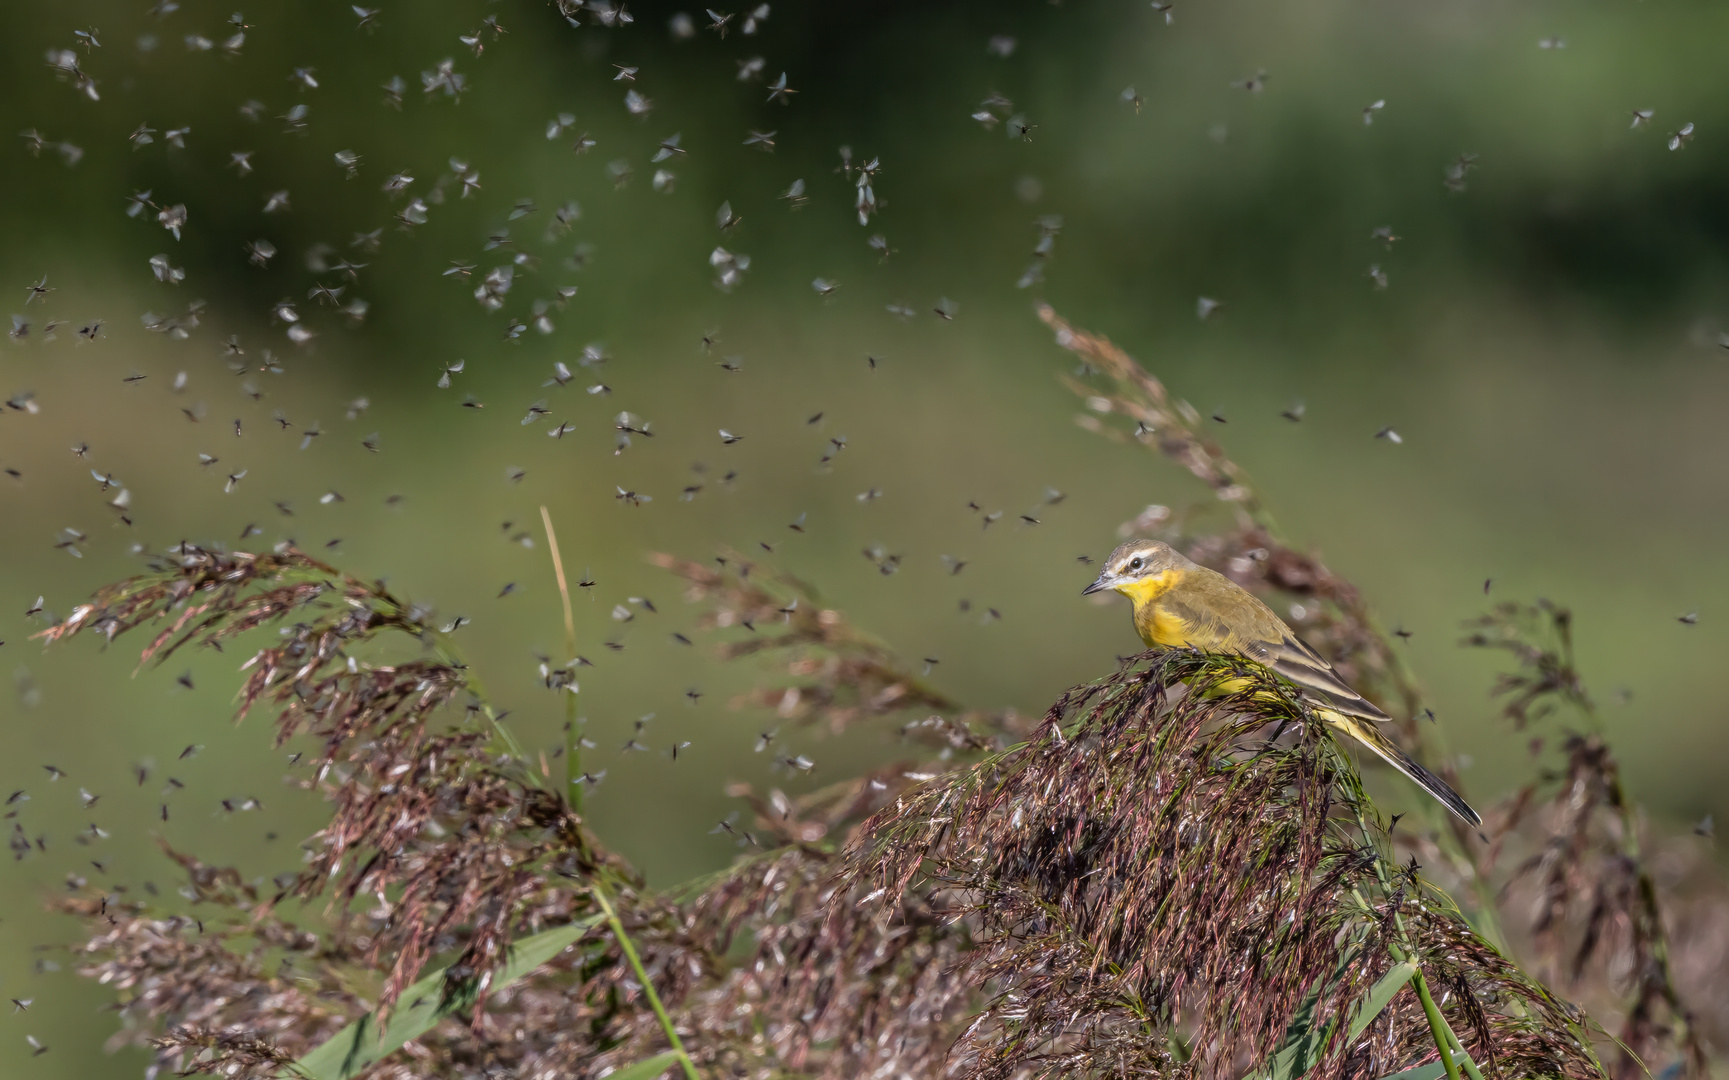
x,y
1365,732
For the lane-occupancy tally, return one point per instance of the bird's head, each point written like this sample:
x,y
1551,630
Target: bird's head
x,y
1136,563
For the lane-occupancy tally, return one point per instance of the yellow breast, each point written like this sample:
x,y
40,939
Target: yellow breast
x,y
1156,627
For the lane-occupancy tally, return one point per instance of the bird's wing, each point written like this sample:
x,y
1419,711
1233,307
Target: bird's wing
x,y
1218,615
1197,619
1292,658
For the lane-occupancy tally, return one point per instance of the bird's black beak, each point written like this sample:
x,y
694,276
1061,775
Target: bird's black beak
x,y
1098,585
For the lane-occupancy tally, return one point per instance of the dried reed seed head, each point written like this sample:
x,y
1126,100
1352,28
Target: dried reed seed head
x,y
1586,883
1161,856
1196,855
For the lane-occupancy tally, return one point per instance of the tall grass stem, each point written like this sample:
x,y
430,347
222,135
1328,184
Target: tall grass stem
x,y
648,990
572,736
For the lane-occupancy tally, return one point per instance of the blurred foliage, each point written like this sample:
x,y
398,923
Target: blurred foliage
x,y
1546,346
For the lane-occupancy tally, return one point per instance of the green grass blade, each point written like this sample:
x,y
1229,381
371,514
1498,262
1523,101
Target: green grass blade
x,y
359,1045
1434,1070
647,1068
1380,996
1303,1040
1302,1043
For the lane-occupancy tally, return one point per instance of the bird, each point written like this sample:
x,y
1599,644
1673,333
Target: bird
x,y
1181,604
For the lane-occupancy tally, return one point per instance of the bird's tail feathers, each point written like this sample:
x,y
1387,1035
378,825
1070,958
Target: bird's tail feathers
x,y
1366,733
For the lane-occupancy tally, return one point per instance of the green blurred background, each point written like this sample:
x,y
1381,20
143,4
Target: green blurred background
x,y
1546,346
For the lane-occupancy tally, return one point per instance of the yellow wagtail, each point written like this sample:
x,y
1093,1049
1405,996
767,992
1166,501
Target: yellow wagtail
x,y
1179,603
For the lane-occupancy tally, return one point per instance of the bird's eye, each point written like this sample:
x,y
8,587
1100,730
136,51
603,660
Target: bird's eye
x,y
1134,564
